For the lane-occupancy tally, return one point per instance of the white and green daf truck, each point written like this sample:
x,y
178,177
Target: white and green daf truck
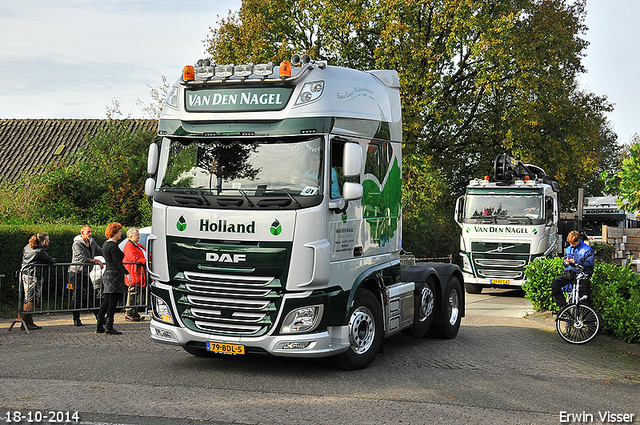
x,y
277,216
507,223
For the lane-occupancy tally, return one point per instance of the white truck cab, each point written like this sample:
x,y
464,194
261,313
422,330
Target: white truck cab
x,y
277,216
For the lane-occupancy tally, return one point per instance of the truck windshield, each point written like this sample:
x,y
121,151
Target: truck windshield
x,y
503,206
249,166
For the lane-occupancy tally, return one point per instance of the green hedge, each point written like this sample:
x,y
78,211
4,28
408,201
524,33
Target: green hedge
x,y
12,242
615,294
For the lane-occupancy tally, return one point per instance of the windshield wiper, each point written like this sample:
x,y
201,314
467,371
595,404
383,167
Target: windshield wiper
x,y
292,198
199,192
246,198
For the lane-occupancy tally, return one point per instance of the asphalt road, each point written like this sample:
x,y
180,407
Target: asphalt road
x,y
507,366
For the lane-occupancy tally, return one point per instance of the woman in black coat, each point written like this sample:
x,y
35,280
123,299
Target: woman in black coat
x,y
112,279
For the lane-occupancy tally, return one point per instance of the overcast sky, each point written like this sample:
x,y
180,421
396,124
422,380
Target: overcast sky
x,y
70,58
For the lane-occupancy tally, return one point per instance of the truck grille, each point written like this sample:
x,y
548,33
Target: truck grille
x,y
499,266
228,305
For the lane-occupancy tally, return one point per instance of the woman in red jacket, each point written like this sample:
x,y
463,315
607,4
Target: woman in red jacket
x,y
134,252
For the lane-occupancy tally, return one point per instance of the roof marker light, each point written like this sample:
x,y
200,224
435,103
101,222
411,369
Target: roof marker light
x,y
285,69
188,73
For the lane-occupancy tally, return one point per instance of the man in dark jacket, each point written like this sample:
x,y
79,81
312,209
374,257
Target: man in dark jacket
x,y
83,252
577,253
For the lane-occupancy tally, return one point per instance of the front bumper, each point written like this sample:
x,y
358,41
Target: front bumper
x,y
334,340
496,283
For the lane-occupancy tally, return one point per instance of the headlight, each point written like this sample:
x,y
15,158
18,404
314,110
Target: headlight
x,y
466,264
172,97
161,310
304,319
310,92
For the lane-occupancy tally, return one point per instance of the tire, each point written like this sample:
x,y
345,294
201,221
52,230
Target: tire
x,y
577,328
365,332
472,289
450,325
199,352
424,309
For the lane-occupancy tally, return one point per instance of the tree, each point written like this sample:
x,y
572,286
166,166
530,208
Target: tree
x,y
626,182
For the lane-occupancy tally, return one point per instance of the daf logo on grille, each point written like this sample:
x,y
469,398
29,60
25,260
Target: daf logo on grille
x,y
226,258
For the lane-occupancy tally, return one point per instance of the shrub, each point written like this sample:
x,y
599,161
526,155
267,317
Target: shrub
x,y
603,252
616,298
540,273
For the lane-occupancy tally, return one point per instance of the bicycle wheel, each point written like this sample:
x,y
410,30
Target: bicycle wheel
x,y
577,324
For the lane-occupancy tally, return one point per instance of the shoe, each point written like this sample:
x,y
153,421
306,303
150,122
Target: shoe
x,y
108,328
28,319
128,318
77,322
100,326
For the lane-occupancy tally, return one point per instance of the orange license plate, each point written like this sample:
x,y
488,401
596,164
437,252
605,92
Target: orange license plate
x,y
218,347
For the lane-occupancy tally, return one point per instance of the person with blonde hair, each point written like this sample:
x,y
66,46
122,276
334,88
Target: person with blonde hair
x,y
112,279
34,259
577,253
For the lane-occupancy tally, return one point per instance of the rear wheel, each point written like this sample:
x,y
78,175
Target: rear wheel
x,y
424,309
365,332
577,324
448,329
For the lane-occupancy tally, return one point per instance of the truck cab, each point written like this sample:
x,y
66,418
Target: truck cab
x,y
277,216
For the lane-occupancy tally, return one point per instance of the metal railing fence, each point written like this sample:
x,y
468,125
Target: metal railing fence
x,y
57,289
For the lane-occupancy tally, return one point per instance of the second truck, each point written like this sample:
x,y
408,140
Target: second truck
x,y
507,222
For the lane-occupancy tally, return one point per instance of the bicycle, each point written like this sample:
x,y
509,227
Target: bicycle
x,y
577,323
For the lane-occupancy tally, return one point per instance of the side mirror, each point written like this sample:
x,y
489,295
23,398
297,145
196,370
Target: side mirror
x,y
150,187
352,191
458,213
351,159
152,160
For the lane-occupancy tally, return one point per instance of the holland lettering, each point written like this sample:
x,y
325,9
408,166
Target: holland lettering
x,y
223,227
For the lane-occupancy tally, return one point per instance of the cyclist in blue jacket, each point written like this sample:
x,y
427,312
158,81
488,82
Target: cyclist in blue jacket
x,y
578,253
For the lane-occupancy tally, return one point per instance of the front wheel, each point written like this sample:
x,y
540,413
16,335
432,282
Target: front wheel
x,y
365,332
577,324
452,316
